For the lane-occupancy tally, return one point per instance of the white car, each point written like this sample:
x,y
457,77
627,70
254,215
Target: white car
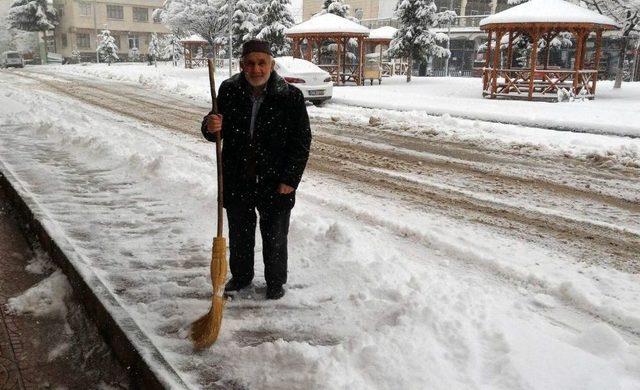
x,y
11,58
316,84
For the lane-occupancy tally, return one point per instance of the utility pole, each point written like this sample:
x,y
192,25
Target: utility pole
x,y
446,61
636,60
95,27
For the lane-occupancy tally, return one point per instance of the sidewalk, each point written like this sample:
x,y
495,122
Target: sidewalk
x,y
46,352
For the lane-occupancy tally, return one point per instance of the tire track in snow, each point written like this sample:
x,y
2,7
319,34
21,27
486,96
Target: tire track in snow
x,y
594,243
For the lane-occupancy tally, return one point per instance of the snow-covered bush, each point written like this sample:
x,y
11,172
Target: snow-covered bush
x,y
134,54
107,48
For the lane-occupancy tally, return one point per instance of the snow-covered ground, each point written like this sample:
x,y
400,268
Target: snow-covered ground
x,y
410,108
382,295
612,112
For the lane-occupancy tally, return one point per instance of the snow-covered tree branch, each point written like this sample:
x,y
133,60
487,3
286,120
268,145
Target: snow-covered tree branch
x,y
414,40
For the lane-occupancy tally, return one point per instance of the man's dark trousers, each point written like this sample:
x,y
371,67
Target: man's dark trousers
x,y
274,228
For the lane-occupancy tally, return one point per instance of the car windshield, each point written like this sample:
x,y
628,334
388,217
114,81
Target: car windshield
x,y
13,55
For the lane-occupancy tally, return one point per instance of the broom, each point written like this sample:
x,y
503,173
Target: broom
x,y
204,331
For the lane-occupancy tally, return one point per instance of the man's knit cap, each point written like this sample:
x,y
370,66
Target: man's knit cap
x,y
256,45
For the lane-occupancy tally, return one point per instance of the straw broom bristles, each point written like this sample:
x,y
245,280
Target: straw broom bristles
x,y
204,331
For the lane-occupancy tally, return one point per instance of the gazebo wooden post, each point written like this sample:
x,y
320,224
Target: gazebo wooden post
x,y
318,43
309,52
486,71
596,61
547,41
338,58
486,62
583,52
496,58
534,61
510,50
344,59
577,60
190,56
361,61
296,48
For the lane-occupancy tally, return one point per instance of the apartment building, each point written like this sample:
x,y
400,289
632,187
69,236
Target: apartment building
x,y
130,21
370,10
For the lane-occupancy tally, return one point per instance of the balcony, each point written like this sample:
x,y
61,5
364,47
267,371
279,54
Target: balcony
x,y
461,21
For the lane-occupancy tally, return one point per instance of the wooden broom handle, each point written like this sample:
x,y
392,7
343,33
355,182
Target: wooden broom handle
x,y
214,108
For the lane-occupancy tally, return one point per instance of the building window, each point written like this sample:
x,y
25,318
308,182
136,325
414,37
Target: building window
x,y
115,12
134,41
64,40
59,10
82,41
116,40
140,14
85,9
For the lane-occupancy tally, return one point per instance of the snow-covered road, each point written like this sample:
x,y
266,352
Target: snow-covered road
x,y
416,262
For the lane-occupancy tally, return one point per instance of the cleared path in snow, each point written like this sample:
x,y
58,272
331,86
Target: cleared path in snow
x,y
392,288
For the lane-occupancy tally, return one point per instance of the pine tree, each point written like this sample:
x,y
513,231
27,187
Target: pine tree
x,y
414,40
171,48
33,15
154,49
337,7
134,54
75,54
276,18
107,47
244,23
627,14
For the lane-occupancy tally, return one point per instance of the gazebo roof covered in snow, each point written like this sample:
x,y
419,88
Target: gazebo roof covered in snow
x,y
328,24
195,38
547,12
382,33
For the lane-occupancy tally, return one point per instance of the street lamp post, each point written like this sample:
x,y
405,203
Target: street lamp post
x,y
95,27
446,61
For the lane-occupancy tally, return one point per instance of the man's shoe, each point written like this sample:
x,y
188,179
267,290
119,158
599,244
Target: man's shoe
x,y
275,292
236,284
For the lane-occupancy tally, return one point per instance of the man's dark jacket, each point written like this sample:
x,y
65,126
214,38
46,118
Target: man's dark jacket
x,y
253,167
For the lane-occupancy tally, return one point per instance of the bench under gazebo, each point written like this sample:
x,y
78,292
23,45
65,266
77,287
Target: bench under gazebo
x,y
541,20
192,45
321,29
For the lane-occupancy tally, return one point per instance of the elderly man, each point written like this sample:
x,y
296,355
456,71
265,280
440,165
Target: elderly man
x,y
266,139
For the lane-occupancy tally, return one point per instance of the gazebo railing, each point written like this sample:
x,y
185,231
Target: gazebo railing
x,y
545,84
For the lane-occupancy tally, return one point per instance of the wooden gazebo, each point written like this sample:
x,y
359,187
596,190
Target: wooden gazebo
x,y
191,46
380,37
541,20
329,27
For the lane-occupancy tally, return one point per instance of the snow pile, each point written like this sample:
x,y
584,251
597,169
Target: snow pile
x,y
40,263
44,299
